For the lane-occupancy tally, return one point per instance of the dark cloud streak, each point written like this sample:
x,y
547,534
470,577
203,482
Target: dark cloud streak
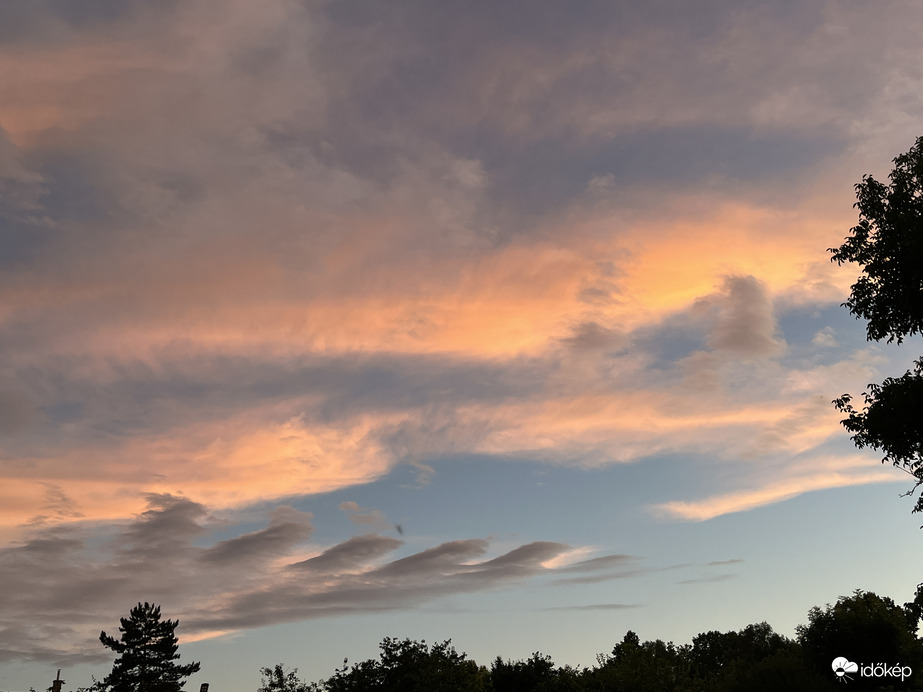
x,y
243,582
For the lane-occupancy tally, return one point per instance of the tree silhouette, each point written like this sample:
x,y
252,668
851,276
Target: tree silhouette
x,y
277,680
640,667
409,666
888,245
535,675
147,651
864,627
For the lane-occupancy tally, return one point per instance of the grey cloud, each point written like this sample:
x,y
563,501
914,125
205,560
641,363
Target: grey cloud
x,y
518,563
435,560
707,580
82,189
732,561
139,398
623,566
20,184
363,517
57,575
270,542
53,543
351,554
438,431
606,576
599,563
47,21
554,173
744,321
676,337
530,554
58,505
24,225
597,606
548,109
433,573
17,412
589,336
423,42
168,525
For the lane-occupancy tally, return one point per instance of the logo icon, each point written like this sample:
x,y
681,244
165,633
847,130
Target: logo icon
x,y
842,666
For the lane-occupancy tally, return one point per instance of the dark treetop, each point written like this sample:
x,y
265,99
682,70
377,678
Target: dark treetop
x,y
888,246
147,650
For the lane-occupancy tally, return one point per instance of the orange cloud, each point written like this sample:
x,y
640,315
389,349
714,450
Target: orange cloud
x,y
772,492
276,262
234,296
229,464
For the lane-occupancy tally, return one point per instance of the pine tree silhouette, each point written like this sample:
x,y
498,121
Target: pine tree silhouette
x,y
147,651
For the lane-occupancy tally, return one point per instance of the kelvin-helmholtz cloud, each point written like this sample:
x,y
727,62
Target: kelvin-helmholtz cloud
x,y
252,252
61,585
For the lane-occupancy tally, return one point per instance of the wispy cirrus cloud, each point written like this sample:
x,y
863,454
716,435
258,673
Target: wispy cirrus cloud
x,y
718,563
597,606
709,579
830,473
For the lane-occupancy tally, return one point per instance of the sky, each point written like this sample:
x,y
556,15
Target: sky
x,y
511,323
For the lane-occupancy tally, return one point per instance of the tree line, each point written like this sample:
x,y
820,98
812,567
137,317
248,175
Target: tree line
x,y
863,639
876,635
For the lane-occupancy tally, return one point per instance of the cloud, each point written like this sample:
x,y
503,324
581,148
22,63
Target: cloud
x,y
784,487
599,563
604,568
744,323
596,606
21,189
609,576
352,554
167,555
16,412
825,337
590,336
247,258
364,517
708,579
289,527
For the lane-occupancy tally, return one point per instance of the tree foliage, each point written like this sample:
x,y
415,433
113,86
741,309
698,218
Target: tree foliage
x,y
865,627
534,675
888,245
146,652
870,628
891,422
409,666
276,679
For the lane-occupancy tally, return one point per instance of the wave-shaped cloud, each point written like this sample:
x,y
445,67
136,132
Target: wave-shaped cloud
x,y
255,579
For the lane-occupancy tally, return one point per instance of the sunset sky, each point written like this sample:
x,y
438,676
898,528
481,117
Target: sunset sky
x,y
506,322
